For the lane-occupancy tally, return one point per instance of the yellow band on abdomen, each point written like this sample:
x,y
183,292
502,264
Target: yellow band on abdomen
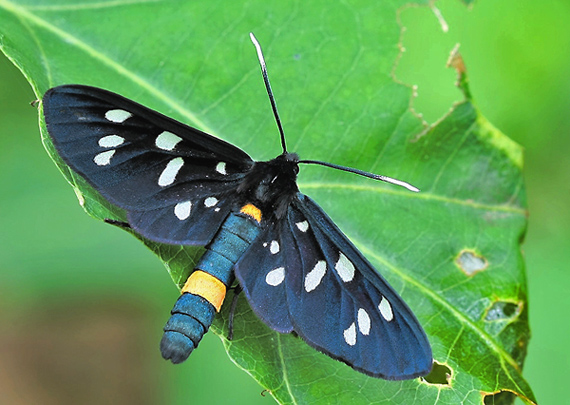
x,y
206,286
252,211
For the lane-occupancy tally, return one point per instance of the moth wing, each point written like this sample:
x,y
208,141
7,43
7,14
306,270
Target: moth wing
x,y
174,181
261,272
332,297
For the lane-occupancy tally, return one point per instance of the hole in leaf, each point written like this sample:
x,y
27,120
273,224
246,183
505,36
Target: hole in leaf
x,y
471,262
426,48
501,310
456,62
440,374
499,398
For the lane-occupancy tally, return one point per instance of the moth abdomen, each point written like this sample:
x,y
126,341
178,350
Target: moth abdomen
x,y
205,290
190,319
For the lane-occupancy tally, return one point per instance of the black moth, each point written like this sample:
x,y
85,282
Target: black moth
x,y
299,272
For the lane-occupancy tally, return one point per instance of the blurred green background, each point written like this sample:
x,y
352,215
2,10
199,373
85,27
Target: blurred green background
x,y
113,310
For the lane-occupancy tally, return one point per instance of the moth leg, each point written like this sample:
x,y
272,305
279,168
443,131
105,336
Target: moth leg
x,y
120,224
237,290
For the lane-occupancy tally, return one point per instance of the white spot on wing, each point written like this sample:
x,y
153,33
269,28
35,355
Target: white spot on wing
x,y
275,277
386,309
167,141
350,335
314,277
111,141
344,268
169,173
118,116
274,247
303,226
210,201
104,158
182,210
363,321
221,168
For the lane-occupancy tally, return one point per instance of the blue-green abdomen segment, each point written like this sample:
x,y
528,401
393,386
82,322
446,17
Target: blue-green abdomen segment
x,y
191,317
235,235
195,309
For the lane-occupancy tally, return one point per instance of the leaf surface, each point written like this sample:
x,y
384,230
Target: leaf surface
x,y
452,251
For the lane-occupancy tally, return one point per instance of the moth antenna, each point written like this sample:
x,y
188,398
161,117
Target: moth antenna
x,y
363,173
268,87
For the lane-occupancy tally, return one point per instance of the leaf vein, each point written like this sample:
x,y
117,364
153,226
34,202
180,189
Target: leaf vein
x,y
422,195
106,60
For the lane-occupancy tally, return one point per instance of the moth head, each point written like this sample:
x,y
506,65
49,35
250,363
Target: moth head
x,y
272,184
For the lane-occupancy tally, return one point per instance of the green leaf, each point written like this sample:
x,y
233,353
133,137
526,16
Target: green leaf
x,y
452,251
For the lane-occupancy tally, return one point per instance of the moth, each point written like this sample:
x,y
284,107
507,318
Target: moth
x,y
298,271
